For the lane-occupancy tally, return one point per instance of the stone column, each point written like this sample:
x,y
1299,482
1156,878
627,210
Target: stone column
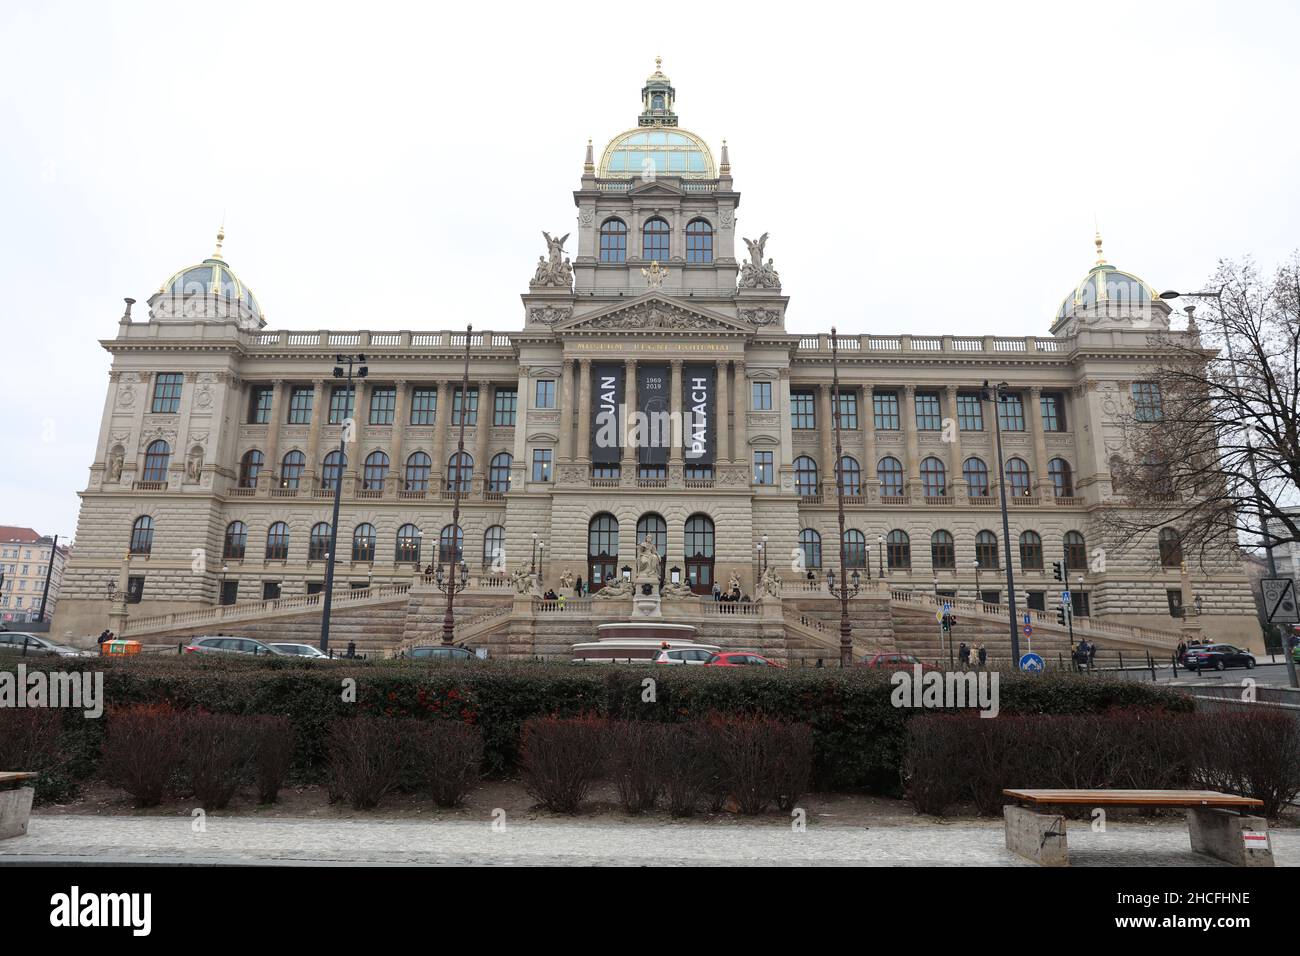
x,y
397,468
630,461
565,452
482,431
266,480
907,420
722,427
675,456
740,409
441,425
521,428
956,483
867,414
584,410
318,414
1034,413
826,430
360,414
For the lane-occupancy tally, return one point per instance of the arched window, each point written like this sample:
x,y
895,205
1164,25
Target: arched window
x,y
156,459
277,542
943,553
810,543
1171,548
898,550
417,472
890,474
318,545
1018,478
460,469
805,476
602,550
249,467
451,545
494,548
375,472
1058,469
850,476
654,525
654,240
986,550
613,240
855,549
1076,551
699,241
499,473
142,535
291,469
332,471
1031,551
408,545
363,543
699,553
976,474
934,477
236,541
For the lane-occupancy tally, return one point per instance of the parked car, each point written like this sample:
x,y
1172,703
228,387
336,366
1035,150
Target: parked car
x,y
740,659
298,650
896,662
684,655
221,644
34,645
441,652
1218,657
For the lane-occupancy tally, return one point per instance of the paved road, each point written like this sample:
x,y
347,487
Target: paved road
x,y
243,840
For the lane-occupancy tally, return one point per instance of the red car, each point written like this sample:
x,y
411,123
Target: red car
x,y
740,659
896,662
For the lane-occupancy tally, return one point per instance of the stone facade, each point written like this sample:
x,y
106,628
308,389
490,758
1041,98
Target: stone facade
x,y
654,282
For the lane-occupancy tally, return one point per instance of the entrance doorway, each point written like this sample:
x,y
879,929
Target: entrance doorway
x,y
602,551
699,553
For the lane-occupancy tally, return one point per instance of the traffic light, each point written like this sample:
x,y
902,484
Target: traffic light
x,y
949,622
1060,615
1058,570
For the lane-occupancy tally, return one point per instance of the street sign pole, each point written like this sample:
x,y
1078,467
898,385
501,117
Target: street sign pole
x,y
1281,607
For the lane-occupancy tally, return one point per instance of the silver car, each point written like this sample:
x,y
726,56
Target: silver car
x,y
34,645
298,650
222,644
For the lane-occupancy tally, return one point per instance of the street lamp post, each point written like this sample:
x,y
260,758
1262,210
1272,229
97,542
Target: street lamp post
x,y
845,590
880,551
987,395
448,619
979,595
344,435
1292,676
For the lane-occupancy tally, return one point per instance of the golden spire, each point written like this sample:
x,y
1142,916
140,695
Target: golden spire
x,y
1101,259
659,63
221,236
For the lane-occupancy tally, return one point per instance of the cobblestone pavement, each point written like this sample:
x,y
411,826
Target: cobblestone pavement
x,y
241,840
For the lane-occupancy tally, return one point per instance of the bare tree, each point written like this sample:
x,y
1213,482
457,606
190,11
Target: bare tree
x,y
1211,442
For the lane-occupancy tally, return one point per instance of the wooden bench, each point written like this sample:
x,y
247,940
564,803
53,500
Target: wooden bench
x,y
15,803
1216,822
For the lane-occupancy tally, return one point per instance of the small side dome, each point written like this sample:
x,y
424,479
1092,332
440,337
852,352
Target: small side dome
x,y
1104,285
213,276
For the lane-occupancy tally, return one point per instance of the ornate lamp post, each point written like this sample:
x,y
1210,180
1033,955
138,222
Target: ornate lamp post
x,y
761,548
987,394
880,549
344,435
448,618
844,590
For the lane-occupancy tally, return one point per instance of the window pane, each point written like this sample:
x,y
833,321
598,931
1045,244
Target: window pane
x,y
424,406
886,410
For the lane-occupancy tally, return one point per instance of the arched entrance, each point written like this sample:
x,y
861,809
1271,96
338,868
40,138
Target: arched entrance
x,y
699,553
602,551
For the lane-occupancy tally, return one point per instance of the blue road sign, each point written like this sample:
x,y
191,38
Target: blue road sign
x,y
1027,621
1031,662
1065,597
947,606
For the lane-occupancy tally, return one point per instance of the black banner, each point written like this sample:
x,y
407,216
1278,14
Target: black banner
x,y
606,401
699,406
655,436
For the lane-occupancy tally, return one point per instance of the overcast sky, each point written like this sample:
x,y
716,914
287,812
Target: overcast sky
x,y
920,167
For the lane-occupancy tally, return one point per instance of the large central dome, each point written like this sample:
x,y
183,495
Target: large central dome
x,y
661,151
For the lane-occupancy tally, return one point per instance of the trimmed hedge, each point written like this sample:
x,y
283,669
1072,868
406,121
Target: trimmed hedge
x,y
858,736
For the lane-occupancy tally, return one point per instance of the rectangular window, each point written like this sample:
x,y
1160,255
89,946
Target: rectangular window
x,y
506,401
341,399
763,474
848,409
970,412
1147,406
259,405
541,464
928,416
134,590
606,471
167,392
315,587
803,410
885,405
383,405
1079,601
1175,598
652,471
270,590
762,392
471,407
1011,412
424,406
1037,600
545,394
1052,405
300,399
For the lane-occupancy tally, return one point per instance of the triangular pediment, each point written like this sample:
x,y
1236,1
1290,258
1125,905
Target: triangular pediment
x,y
651,187
653,312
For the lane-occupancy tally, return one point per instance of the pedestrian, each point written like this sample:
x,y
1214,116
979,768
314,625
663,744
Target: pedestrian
x,y
577,587
105,636
717,591
561,600
1182,652
1092,654
963,654
983,653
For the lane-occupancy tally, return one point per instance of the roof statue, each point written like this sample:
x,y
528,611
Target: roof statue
x,y
754,274
554,269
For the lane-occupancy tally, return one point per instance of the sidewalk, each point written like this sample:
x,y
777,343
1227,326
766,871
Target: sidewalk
x,y
237,840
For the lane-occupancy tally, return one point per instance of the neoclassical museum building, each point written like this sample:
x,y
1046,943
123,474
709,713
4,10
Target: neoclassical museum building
x,y
649,387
